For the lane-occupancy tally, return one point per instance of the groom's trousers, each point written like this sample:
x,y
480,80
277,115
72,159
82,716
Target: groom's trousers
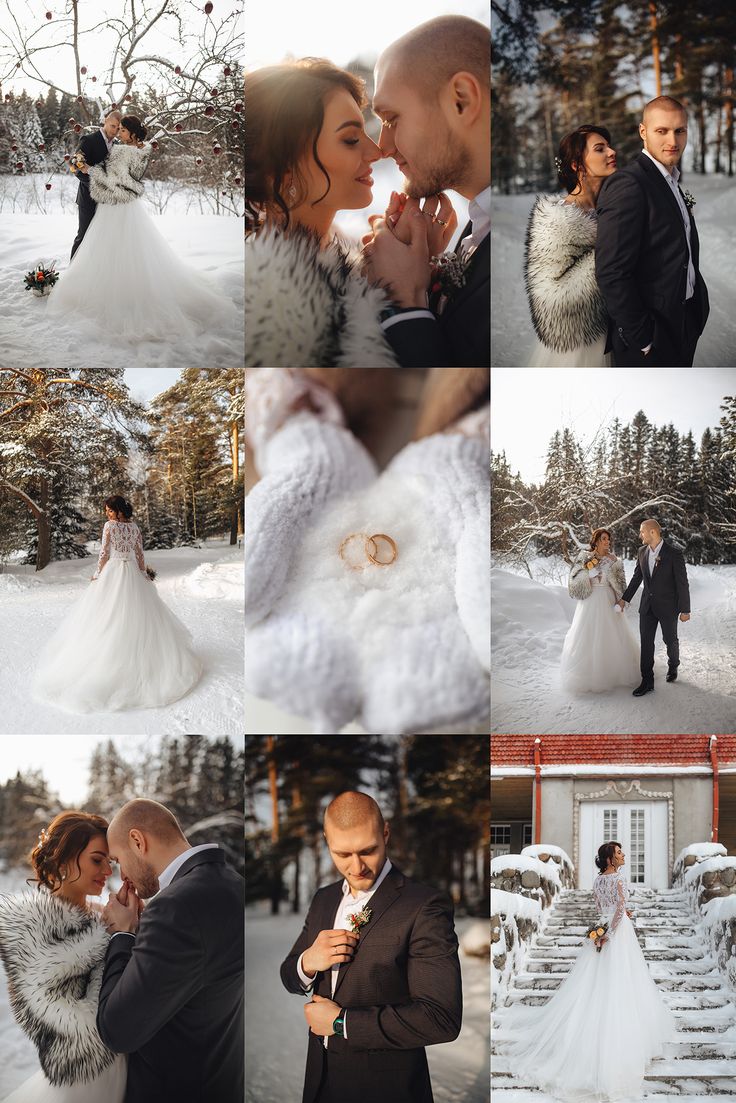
x,y
648,622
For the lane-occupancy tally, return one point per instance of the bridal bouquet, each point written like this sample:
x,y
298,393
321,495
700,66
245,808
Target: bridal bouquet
x,y
40,280
597,933
77,162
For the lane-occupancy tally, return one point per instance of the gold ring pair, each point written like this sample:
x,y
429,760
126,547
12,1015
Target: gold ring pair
x,y
372,556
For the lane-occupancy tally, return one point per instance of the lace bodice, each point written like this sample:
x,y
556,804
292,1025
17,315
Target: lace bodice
x,y
121,540
611,891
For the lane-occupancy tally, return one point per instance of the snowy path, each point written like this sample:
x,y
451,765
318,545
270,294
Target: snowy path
x,y
276,1034
529,622
203,586
512,335
210,243
701,1061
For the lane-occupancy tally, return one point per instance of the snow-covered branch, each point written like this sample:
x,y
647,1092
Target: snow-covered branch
x,y
34,506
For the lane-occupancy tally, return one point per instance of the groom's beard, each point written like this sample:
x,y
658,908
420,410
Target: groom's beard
x,y
144,878
451,168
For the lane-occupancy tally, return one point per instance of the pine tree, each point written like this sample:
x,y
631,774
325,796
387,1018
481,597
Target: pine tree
x,y
48,114
30,135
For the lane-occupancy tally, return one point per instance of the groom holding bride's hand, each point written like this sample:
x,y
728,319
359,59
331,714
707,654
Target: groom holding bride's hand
x,y
432,92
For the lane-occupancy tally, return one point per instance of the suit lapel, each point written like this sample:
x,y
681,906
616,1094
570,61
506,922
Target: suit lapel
x,y
654,171
379,904
645,563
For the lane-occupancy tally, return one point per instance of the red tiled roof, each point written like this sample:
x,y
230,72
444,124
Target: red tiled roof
x,y
655,750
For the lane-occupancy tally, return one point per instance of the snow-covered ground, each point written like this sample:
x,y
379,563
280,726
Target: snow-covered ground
x,y
43,231
529,620
276,1032
512,335
203,586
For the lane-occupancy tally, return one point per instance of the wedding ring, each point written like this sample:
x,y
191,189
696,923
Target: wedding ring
x,y
352,536
440,222
373,559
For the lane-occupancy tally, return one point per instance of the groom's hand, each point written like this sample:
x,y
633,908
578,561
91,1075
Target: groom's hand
x,y
122,912
404,269
320,1015
684,616
329,948
621,604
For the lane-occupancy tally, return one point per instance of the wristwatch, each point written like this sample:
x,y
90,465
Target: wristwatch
x,y
339,1024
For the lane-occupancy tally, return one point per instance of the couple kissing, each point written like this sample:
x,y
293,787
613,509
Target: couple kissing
x,y
612,270
312,298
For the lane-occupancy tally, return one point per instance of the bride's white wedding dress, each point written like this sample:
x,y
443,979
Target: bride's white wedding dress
x,y
600,651
594,1038
108,1087
120,647
126,270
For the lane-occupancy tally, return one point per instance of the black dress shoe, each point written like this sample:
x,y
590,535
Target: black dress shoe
x,y
645,687
672,674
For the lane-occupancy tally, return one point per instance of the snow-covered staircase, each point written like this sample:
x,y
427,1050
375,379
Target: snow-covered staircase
x,y
702,1059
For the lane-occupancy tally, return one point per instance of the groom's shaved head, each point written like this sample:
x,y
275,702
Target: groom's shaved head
x,y
430,54
651,523
351,809
662,103
150,818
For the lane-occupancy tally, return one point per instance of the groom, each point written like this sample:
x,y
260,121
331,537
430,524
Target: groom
x,y
666,593
382,994
647,250
172,987
95,147
432,93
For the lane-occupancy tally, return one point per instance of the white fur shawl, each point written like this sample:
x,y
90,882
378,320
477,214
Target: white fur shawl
x,y
559,269
579,584
118,178
53,954
310,307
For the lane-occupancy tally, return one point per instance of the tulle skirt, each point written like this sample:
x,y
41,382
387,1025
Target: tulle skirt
x,y
120,647
600,651
586,356
108,1087
595,1037
126,279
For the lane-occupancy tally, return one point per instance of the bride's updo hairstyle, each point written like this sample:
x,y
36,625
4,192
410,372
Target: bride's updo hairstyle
x,y
596,535
572,153
59,846
119,505
283,120
605,854
134,125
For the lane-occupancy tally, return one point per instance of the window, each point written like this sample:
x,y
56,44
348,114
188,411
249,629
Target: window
x,y
636,847
527,834
500,839
610,825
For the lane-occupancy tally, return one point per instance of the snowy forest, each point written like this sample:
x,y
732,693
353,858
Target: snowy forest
x,y
432,789
199,779
177,65
69,440
560,63
626,473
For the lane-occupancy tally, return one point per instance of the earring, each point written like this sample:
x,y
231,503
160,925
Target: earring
x,y
292,191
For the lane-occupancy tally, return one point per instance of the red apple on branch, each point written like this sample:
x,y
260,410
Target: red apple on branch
x,y
178,128
83,70
207,9
198,161
209,111
237,106
77,129
154,145
49,15
227,71
177,70
67,157
94,80
48,187
217,150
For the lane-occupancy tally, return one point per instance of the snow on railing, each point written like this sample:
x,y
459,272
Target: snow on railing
x,y
708,875
546,853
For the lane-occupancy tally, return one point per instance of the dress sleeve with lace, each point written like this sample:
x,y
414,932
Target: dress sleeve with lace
x,y
104,550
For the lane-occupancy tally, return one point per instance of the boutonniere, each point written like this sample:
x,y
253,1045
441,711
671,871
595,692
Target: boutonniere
x,y
359,919
689,198
656,562
447,276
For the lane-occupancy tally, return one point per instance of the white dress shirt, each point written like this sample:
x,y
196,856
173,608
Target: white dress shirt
x,y
653,556
108,141
346,907
672,177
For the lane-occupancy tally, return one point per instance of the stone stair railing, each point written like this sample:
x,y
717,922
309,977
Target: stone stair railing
x,y
708,876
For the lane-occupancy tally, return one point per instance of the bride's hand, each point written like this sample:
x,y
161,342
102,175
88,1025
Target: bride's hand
x,y
442,220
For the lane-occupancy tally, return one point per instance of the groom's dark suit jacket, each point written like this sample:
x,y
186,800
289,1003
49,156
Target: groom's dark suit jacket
x,y
94,148
641,261
459,337
401,991
172,996
666,591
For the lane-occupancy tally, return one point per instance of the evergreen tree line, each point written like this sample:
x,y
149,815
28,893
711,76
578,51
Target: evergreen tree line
x,y
628,473
200,780
434,793
70,440
586,68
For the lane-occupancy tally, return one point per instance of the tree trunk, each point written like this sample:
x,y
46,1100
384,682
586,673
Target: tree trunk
x,y
655,47
234,449
276,866
729,117
43,552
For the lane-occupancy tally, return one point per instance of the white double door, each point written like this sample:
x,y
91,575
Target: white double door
x,y
640,828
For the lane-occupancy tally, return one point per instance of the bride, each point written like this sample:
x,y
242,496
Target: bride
x,y
53,945
124,262
308,156
594,1038
120,647
566,304
599,651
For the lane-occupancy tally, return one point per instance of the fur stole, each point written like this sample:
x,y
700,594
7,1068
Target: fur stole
x,y
118,178
559,271
579,584
54,954
310,307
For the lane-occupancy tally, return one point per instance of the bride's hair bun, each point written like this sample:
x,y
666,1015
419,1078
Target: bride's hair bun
x,y
133,124
605,853
59,845
118,504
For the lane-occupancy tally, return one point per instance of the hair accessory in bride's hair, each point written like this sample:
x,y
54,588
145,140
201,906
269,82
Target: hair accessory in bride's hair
x,y
558,164
43,837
